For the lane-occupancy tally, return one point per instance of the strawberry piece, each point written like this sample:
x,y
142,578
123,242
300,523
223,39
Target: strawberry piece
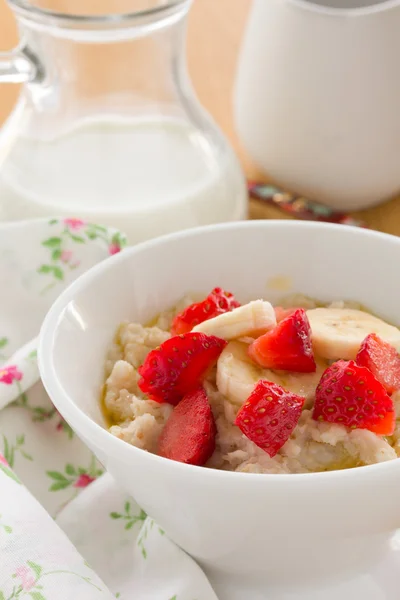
x,y
269,416
189,434
178,366
349,395
281,313
382,360
287,347
216,303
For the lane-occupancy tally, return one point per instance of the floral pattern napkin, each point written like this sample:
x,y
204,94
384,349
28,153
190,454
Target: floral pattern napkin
x,y
38,259
136,559
58,473
37,559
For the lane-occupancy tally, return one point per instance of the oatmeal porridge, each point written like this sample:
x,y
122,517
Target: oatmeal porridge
x,y
254,388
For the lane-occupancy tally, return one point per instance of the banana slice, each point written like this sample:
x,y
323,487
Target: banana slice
x,y
236,373
237,376
338,332
252,319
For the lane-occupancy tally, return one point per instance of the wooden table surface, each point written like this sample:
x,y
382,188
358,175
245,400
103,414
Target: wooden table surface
x,y
215,31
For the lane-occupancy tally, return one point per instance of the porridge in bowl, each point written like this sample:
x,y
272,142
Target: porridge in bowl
x,y
255,388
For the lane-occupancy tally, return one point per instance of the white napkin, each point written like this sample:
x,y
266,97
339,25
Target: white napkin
x,y
135,554
37,559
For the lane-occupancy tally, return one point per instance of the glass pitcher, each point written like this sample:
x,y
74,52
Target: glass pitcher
x,y
107,126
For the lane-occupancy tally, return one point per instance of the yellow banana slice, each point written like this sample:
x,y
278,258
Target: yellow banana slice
x,y
338,332
237,375
252,319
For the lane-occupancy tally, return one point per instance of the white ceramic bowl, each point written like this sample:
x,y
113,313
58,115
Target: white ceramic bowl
x,y
251,527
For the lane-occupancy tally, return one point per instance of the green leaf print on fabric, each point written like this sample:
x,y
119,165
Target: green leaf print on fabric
x,y
141,541
129,518
6,528
56,254
77,238
7,471
45,269
52,242
11,449
58,273
37,569
61,481
77,477
52,270
3,343
149,524
61,258
37,596
118,238
70,469
115,243
41,414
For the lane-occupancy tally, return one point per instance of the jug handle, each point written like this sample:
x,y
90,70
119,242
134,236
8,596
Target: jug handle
x,y
19,66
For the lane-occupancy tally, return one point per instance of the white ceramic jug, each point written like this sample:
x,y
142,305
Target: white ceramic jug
x,y
317,98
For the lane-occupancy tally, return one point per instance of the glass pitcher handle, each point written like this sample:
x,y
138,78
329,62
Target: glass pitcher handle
x,y
19,66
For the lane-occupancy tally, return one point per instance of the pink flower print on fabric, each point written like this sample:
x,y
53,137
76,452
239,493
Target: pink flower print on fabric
x,y
66,256
114,248
3,461
83,481
10,374
74,224
26,577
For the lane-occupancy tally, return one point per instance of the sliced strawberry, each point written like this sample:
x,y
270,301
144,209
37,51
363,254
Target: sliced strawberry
x,y
281,313
178,366
269,416
382,360
189,434
349,395
287,347
216,303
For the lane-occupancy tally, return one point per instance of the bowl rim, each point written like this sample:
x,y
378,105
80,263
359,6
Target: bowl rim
x,y
72,412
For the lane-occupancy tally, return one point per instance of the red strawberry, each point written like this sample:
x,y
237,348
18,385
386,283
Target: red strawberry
x,y
281,313
349,395
269,416
382,360
287,347
216,303
189,434
177,366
